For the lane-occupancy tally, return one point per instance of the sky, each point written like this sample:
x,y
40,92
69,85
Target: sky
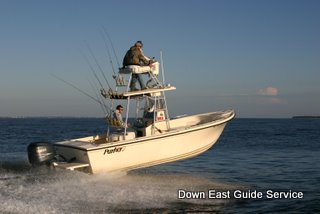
x,y
260,58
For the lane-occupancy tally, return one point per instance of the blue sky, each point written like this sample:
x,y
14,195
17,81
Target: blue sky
x,y
261,58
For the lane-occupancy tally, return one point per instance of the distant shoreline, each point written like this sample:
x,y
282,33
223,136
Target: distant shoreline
x,y
306,117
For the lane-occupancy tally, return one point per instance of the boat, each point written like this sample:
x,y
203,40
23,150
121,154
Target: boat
x,y
150,139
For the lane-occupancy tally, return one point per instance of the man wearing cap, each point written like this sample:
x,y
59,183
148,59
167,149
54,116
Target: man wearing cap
x,y
117,115
135,56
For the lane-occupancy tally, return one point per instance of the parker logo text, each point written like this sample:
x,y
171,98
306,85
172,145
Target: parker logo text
x,y
114,150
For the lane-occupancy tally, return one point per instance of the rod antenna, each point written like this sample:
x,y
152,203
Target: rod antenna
x,y
162,69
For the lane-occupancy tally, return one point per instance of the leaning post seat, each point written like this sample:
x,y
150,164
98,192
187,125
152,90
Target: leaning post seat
x,y
137,69
152,70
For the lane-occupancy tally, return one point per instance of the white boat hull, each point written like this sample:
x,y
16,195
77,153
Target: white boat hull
x,y
188,137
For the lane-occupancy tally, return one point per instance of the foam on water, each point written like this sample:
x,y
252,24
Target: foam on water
x,y
27,190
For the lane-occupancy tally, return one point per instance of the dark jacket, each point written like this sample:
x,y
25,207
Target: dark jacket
x,y
134,56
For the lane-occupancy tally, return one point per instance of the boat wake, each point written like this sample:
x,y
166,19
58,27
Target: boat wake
x,y
28,190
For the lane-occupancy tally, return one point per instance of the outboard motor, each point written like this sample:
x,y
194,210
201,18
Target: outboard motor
x,y
40,153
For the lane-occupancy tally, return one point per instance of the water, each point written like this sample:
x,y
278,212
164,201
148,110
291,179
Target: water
x,y
252,154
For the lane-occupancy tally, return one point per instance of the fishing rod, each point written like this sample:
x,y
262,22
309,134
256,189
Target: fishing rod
x,y
96,61
108,51
114,52
102,103
78,89
93,71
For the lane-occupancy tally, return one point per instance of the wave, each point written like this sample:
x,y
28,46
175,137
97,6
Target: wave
x,y
28,190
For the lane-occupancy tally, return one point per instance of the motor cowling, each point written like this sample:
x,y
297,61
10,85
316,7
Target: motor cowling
x,y
40,153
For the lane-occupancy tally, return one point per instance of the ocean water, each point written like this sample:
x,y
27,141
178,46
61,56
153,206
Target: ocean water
x,y
253,161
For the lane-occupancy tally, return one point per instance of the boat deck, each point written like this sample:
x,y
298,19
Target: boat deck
x,y
176,125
